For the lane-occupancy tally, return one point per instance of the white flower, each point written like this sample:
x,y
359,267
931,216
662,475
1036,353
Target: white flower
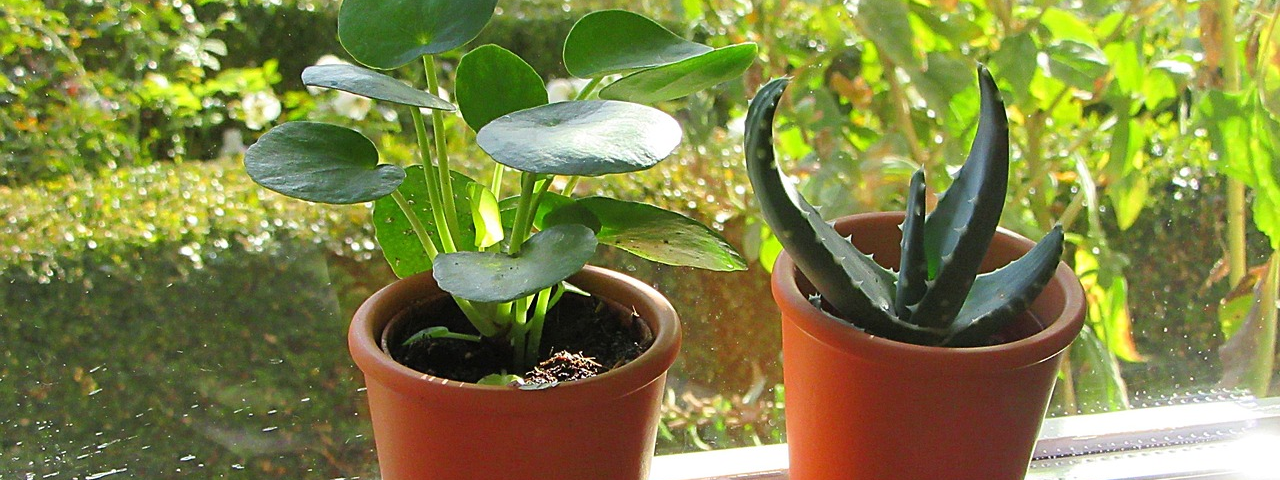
x,y
564,89
352,106
259,108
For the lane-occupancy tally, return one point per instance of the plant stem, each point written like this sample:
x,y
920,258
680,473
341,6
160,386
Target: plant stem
x,y
418,229
1236,251
524,213
535,325
495,181
589,89
571,184
442,151
1236,219
431,178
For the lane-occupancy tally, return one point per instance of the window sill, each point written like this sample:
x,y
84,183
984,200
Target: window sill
x,y
1218,440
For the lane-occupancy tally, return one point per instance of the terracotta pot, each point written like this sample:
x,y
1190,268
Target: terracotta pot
x,y
862,407
428,428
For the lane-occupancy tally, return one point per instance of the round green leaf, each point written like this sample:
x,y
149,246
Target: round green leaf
x,y
400,245
581,138
368,83
492,82
682,78
386,34
545,259
319,162
613,41
652,233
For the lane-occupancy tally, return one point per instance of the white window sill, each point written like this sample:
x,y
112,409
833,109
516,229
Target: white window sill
x,y
1237,439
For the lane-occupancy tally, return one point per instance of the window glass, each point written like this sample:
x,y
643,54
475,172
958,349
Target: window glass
x,y
161,315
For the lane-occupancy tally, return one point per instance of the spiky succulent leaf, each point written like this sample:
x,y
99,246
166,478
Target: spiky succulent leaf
x,y
999,296
855,285
959,231
913,267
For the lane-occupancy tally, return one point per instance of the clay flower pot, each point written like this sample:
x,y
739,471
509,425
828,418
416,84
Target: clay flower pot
x,y
428,428
863,407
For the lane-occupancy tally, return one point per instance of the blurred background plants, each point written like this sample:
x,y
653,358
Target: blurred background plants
x,y
1147,128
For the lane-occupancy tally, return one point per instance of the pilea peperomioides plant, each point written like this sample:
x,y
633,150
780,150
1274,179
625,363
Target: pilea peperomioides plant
x,y
504,260
937,296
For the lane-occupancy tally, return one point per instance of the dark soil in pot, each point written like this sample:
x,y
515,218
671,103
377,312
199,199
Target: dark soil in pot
x,y
582,337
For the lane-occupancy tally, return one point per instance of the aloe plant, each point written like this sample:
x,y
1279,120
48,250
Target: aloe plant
x,y
504,260
937,297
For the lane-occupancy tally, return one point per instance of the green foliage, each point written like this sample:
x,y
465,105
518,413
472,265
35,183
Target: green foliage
x,y
493,82
591,138
494,279
54,230
935,299
97,85
322,163
387,34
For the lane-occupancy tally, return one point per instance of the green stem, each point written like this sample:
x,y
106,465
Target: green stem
x,y
524,213
520,333
431,178
535,325
418,228
589,89
1236,255
571,184
495,181
442,151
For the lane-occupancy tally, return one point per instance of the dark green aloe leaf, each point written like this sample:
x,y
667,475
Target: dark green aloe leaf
x,y
492,82
545,259
855,285
368,83
319,162
615,41
999,296
652,233
581,138
960,229
400,245
386,34
682,78
913,267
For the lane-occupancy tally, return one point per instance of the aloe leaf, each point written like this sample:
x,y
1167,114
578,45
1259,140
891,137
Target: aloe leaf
x,y
387,34
492,82
368,83
653,233
999,296
682,78
545,259
848,279
400,245
615,41
913,267
591,138
319,162
959,231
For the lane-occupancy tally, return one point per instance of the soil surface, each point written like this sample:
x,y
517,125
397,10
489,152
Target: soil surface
x,y
582,337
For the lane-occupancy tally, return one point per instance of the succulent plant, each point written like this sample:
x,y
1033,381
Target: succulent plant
x,y
937,297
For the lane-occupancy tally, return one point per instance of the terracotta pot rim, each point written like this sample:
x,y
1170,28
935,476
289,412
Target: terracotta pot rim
x,y
367,325
1039,347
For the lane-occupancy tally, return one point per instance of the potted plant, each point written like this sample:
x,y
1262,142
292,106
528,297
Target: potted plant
x,y
933,371
458,355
